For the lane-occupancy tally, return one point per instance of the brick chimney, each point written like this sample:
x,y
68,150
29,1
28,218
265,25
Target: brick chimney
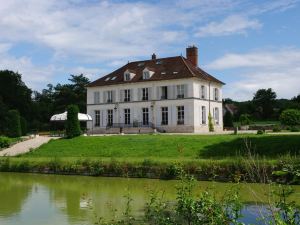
x,y
192,54
153,56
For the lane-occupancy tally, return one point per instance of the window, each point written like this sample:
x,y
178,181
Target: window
x,y
180,91
96,97
203,114
145,116
127,95
146,75
107,79
180,115
164,116
110,117
164,92
202,92
216,115
127,116
113,78
109,96
216,94
127,76
145,94
97,118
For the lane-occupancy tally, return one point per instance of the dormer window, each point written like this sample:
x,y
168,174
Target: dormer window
x,y
128,75
146,75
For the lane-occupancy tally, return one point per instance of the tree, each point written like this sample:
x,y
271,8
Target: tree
x,y
228,119
264,100
72,123
244,119
14,93
290,117
296,99
14,125
210,123
23,124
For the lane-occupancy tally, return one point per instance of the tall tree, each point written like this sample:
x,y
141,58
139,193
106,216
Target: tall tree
x,y
264,101
14,93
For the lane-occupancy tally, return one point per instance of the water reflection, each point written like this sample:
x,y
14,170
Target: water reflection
x,y
48,199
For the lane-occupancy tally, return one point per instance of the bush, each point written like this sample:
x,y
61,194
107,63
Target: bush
x,y
244,119
72,123
13,125
228,120
295,129
210,123
4,142
260,132
290,117
276,128
23,126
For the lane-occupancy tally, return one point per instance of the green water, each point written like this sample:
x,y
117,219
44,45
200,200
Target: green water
x,y
33,199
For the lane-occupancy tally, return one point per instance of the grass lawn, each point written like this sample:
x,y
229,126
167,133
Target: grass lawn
x,y
168,147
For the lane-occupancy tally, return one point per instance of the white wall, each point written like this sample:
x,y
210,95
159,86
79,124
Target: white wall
x,y
192,104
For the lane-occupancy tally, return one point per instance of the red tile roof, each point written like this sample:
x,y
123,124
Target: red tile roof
x,y
163,68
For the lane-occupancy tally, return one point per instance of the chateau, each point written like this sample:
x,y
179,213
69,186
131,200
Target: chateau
x,y
164,94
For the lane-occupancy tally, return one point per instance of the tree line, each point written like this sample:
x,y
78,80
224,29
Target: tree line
x,y
264,106
34,108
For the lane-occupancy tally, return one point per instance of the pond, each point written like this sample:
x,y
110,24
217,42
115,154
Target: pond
x,y
34,199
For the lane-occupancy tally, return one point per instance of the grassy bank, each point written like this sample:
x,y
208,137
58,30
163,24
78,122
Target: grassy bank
x,y
170,147
207,157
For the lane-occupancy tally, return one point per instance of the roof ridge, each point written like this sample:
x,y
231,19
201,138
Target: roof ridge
x,y
155,59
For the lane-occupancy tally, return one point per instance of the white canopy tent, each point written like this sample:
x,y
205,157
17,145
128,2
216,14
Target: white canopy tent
x,y
63,117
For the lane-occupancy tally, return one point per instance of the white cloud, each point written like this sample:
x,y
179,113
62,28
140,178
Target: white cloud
x,y
33,75
279,70
265,59
234,24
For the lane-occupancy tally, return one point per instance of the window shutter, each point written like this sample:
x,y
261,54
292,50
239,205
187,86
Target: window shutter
x,y
114,96
104,96
185,90
171,92
150,93
140,94
121,95
158,95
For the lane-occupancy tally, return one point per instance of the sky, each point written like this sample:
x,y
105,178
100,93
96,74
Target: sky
x,y
247,44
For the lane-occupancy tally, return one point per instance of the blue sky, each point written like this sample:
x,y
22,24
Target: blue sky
x,y
247,44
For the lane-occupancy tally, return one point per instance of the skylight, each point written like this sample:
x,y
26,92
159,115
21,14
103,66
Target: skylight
x,y
113,78
141,64
175,72
163,73
107,78
158,62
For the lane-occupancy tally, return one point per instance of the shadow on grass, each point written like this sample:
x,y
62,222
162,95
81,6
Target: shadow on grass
x,y
267,146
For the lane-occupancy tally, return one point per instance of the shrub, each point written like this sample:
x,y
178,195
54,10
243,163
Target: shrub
x,y
276,128
72,123
228,119
14,125
295,129
4,142
260,132
244,119
23,123
290,117
210,123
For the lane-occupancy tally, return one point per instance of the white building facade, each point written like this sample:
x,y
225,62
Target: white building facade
x,y
142,99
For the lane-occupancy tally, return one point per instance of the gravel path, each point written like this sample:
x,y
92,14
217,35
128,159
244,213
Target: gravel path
x,y
25,146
